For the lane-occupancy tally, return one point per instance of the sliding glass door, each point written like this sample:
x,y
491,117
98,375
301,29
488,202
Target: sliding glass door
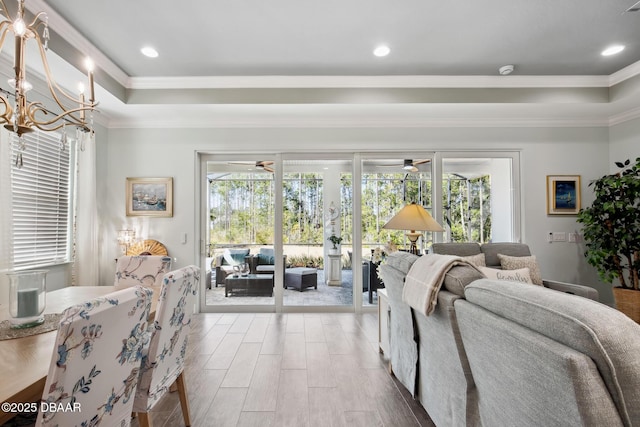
x,y
239,217
479,201
317,223
389,184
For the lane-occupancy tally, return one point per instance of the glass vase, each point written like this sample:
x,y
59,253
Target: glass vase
x,y
27,298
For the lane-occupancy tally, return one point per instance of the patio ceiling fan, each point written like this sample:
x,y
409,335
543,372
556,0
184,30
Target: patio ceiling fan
x,y
410,165
260,164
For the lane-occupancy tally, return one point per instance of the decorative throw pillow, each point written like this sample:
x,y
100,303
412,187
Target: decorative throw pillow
x,y
235,256
478,260
266,256
516,262
521,275
458,277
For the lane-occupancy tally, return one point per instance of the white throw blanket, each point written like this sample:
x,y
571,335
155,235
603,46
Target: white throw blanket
x,y
425,278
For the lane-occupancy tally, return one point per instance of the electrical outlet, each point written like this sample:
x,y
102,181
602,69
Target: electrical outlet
x,y
573,237
559,236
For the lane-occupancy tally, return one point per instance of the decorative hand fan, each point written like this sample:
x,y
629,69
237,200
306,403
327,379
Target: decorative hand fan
x,y
147,247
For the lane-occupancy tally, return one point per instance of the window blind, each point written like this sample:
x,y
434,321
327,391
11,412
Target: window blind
x,y
41,201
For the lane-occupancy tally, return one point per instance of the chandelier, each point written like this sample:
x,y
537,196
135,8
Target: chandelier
x,y
21,115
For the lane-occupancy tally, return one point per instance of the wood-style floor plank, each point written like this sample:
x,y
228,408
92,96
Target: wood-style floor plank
x,y
292,407
257,419
319,372
257,330
226,408
241,369
274,336
294,355
313,331
225,352
262,394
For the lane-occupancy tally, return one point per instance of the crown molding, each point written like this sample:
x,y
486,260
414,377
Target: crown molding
x,y
76,39
624,74
625,116
288,82
284,122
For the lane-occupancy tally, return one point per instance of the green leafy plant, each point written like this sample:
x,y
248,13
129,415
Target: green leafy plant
x,y
611,226
335,240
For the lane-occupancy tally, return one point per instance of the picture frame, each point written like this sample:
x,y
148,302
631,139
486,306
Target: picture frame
x,y
150,197
563,194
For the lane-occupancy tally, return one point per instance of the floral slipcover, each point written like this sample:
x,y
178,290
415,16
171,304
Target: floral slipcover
x,y
164,361
96,361
144,270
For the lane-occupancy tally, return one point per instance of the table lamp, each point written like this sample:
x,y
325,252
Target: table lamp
x,y
413,217
125,239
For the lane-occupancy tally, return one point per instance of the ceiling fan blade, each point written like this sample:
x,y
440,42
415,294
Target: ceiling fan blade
x,y
241,163
264,163
268,169
419,162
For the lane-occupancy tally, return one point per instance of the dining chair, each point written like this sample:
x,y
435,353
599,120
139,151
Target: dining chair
x,y
144,270
96,361
163,364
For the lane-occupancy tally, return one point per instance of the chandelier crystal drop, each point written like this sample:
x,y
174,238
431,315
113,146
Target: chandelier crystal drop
x,y
22,115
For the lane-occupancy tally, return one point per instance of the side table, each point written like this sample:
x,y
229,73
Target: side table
x,y
384,312
334,276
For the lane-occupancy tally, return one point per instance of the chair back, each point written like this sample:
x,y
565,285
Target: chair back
x,y
170,330
96,360
143,270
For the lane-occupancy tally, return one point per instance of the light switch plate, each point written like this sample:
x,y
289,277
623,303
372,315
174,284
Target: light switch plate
x,y
559,236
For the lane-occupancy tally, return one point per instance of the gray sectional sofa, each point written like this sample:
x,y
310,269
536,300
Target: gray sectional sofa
x,y
498,353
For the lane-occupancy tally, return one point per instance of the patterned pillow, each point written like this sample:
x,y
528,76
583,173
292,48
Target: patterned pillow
x,y
521,275
478,260
516,262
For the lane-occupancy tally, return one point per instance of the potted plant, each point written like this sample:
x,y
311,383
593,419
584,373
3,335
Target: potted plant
x,y
335,240
611,228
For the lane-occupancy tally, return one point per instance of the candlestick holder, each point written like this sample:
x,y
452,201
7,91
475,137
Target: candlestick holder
x,y
27,298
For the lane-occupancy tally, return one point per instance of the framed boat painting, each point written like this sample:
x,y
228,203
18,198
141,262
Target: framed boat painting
x,y
563,194
149,197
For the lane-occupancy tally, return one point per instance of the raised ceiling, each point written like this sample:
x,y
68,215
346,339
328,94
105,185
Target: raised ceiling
x,y
337,37
253,62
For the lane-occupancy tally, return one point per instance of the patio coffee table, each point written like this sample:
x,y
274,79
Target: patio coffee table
x,y
252,284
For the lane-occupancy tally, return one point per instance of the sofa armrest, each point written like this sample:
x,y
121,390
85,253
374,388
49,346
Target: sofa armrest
x,y
570,288
252,260
217,261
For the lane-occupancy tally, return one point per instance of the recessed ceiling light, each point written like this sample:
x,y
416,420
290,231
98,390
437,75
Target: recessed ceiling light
x,y
382,50
612,50
149,52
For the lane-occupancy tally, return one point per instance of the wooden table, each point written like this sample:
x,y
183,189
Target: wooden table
x,y
24,362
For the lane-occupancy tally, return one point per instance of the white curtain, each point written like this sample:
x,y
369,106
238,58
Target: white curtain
x,y
6,252
85,244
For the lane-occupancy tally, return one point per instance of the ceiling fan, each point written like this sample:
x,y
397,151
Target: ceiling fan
x,y
410,165
260,164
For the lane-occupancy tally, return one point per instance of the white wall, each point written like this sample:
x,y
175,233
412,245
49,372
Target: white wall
x,y
624,143
172,153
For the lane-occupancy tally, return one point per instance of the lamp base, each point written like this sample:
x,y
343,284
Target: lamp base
x,y
413,238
